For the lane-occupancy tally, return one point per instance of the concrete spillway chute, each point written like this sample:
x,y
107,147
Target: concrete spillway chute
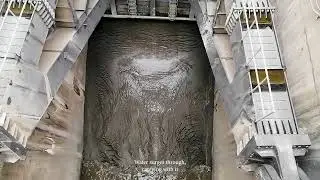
x,y
43,39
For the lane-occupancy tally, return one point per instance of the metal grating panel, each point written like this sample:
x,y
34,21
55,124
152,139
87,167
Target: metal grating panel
x,y
271,53
8,31
279,122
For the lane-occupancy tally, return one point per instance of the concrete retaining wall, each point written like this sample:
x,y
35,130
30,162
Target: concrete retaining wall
x,y
298,30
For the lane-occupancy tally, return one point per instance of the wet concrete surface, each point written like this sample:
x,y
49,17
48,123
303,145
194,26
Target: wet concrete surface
x,y
224,162
149,102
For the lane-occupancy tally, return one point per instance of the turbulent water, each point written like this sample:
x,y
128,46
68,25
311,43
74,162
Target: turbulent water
x,y
149,102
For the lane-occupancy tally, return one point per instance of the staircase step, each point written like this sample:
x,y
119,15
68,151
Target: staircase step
x,y
46,12
41,9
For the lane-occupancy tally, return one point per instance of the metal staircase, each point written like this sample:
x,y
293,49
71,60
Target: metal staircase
x,y
29,77
269,133
46,12
23,30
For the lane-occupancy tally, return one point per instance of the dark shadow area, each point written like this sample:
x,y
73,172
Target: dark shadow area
x,y
149,102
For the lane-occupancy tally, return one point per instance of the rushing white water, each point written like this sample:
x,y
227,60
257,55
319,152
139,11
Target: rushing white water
x,y
149,102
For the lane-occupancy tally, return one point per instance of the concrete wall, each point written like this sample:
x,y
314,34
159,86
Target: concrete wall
x,y
55,147
225,165
298,30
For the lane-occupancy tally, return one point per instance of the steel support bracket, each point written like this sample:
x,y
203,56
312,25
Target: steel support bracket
x,y
282,148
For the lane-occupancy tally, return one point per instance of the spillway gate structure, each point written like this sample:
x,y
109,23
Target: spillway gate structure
x,y
261,97
35,57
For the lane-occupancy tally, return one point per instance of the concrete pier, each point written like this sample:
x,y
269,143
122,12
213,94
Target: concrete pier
x,y
55,147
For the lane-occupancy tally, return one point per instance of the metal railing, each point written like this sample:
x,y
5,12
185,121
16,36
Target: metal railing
x,y
249,8
272,131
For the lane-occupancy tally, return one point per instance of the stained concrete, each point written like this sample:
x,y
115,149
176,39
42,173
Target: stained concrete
x,y
55,147
225,164
298,30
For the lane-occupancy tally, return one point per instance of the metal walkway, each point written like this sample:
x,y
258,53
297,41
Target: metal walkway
x,y
269,132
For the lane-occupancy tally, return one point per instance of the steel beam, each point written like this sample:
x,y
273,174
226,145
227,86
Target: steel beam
x,y
152,7
147,17
72,50
74,14
214,44
113,7
283,148
286,161
205,24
